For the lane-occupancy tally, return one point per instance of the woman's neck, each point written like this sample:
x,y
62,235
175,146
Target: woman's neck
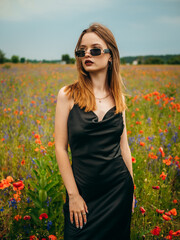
x,y
99,82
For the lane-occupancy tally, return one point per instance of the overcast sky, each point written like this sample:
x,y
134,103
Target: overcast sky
x,y
46,29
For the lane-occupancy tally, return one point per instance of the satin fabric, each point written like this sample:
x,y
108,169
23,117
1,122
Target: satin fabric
x,y
101,175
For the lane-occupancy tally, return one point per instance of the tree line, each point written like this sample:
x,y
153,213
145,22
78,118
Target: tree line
x,y
65,58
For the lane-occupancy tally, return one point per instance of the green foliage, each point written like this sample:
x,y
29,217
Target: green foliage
x,y
154,60
22,60
174,60
2,56
66,58
14,59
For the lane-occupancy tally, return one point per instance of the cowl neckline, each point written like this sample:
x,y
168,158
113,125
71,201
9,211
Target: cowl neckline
x,y
93,113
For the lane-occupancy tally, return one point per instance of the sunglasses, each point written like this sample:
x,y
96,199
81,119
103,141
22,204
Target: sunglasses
x,y
93,52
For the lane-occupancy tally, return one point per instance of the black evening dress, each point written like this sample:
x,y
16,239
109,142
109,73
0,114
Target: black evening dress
x,y
101,175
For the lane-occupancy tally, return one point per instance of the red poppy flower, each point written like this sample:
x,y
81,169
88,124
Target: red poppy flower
x,y
33,237
18,185
156,187
27,217
163,176
43,215
168,214
142,143
142,210
156,231
133,160
165,217
160,211
173,211
177,233
52,237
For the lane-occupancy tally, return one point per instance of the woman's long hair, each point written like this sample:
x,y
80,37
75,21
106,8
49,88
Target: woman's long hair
x,y
81,90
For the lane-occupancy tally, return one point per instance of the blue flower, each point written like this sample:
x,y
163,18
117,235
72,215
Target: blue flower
x,y
1,209
12,203
49,224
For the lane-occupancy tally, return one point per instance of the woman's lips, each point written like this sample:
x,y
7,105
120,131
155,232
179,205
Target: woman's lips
x,y
88,62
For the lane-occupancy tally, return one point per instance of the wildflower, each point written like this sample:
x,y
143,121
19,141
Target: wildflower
x,y
33,237
23,162
156,187
17,217
168,214
52,237
38,141
163,176
18,185
173,212
141,131
177,233
17,197
2,209
37,135
133,160
4,184
160,211
162,152
43,215
27,217
50,144
12,203
9,179
156,231
165,217
142,143
152,155
142,210
49,224
175,201
133,114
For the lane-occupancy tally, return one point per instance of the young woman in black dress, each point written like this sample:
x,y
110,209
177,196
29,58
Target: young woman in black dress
x,y
90,116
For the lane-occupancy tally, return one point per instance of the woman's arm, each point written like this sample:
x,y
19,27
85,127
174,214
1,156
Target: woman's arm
x,y
125,150
77,205
61,142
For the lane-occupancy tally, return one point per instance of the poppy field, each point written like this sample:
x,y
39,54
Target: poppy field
x,y
32,192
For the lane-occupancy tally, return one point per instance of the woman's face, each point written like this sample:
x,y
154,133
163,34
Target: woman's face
x,y
94,63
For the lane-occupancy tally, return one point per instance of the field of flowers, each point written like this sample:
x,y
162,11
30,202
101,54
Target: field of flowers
x,y
31,188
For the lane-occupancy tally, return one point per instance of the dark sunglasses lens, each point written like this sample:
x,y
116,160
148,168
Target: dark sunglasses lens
x,y
95,52
80,53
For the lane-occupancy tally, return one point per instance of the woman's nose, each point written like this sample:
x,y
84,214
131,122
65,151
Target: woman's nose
x,y
87,53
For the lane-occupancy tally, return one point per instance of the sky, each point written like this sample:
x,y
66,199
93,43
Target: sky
x,y
46,29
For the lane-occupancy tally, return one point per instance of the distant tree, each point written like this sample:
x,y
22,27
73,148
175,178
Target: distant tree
x,y
72,60
22,60
174,60
122,61
154,60
66,58
14,59
2,56
141,60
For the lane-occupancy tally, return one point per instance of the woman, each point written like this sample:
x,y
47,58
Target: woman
x,y
90,115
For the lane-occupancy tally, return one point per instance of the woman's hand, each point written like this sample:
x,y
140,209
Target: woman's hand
x,y
78,208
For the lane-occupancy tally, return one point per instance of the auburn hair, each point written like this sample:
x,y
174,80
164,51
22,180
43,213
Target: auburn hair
x,y
81,90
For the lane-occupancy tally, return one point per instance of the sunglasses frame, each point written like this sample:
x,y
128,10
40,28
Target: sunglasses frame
x,y
83,51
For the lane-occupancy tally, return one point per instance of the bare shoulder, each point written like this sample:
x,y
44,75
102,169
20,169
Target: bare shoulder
x,y
63,99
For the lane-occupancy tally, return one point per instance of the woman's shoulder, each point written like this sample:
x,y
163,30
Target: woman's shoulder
x,y
64,97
